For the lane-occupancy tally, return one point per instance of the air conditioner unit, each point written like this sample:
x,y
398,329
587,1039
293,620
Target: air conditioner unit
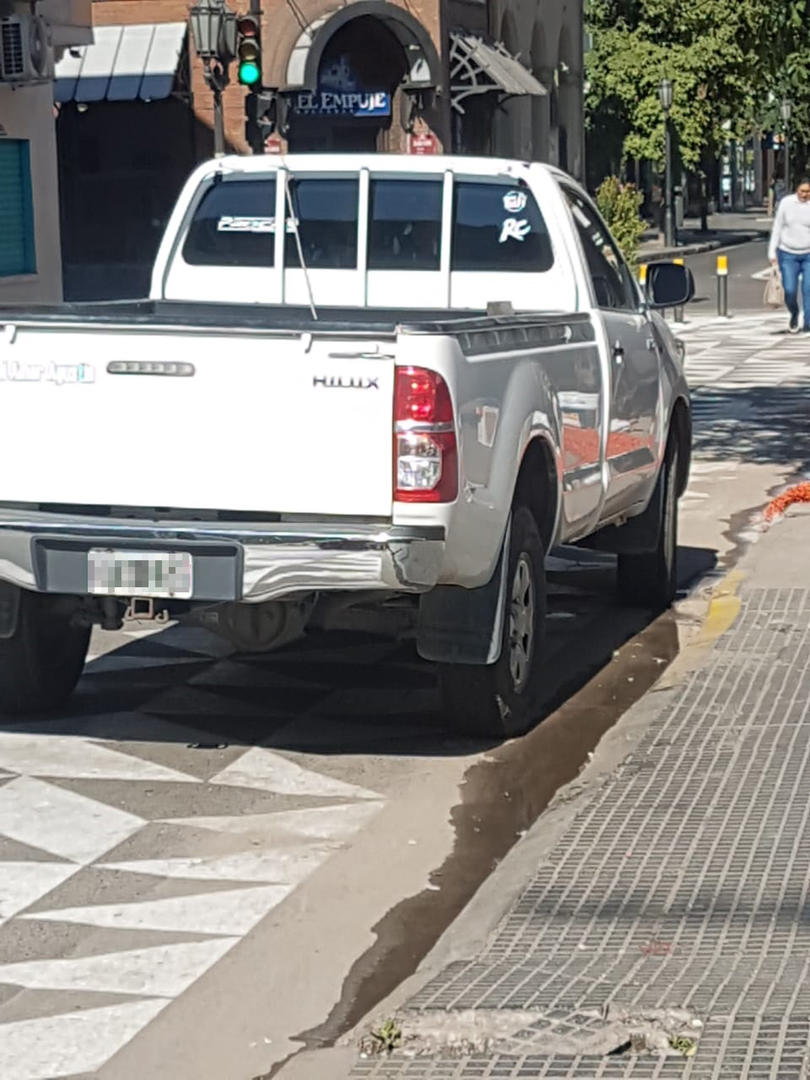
x,y
25,49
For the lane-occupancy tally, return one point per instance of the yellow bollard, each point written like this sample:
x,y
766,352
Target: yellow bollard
x,y
722,286
678,310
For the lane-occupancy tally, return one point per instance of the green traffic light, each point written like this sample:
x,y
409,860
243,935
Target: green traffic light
x,y
249,73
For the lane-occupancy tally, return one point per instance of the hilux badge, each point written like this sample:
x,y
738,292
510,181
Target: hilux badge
x,y
346,382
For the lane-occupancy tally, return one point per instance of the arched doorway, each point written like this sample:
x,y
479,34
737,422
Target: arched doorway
x,y
513,120
541,106
362,59
354,76
570,95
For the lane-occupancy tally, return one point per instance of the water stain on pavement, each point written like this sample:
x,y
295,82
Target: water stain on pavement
x,y
501,797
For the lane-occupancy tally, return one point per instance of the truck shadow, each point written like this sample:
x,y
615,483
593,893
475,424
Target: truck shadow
x,y
344,691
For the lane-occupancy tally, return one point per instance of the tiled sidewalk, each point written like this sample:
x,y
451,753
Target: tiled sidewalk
x,y
676,905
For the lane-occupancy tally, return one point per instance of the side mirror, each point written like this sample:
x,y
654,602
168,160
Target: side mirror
x,y
668,285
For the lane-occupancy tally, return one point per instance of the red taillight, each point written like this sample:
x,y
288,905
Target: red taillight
x,y
425,451
422,397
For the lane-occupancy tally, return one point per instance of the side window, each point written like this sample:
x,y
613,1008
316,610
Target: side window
x,y
612,281
405,229
498,226
234,225
326,212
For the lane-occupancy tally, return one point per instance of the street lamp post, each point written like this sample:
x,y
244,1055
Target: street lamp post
x,y
213,28
665,97
784,109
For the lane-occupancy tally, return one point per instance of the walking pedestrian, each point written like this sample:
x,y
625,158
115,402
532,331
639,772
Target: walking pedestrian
x,y
790,248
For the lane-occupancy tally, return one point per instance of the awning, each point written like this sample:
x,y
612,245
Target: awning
x,y
125,63
479,68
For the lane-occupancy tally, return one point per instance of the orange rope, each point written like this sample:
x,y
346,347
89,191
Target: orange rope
x,y
776,507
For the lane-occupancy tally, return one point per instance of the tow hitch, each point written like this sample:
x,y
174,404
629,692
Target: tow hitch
x,y
142,609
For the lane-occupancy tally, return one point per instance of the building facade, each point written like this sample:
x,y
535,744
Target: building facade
x,y
500,77
32,39
466,76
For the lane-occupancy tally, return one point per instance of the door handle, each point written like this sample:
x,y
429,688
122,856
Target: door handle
x,y
618,352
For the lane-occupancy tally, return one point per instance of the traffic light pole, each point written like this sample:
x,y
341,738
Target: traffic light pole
x,y
258,139
219,125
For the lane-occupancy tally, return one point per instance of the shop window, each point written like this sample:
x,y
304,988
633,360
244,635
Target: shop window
x,y
498,227
234,225
17,253
405,230
326,211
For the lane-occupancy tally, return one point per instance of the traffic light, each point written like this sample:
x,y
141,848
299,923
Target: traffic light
x,y
261,110
249,51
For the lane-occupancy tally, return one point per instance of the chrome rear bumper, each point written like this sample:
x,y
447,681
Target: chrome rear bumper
x,y
252,561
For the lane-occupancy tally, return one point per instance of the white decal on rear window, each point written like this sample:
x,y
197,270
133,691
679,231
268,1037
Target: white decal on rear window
x,y
514,229
515,201
246,224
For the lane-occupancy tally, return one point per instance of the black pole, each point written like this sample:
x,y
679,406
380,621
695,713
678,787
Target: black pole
x,y
787,159
219,125
669,230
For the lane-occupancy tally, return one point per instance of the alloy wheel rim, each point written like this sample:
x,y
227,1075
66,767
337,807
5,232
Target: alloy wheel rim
x,y
521,623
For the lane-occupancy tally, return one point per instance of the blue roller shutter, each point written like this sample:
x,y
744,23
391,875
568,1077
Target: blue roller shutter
x,y
17,255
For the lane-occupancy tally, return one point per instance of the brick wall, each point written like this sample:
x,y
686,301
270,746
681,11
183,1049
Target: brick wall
x,y
134,12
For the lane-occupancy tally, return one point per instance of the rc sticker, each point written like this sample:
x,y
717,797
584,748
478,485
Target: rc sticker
x,y
515,201
514,229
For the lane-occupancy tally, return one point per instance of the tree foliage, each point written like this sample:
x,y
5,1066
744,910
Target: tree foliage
x,y
726,58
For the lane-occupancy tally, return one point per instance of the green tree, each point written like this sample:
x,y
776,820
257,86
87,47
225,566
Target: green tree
x,y
723,57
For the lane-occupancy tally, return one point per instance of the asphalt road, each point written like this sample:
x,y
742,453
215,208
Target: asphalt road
x,y
744,289
245,853
210,860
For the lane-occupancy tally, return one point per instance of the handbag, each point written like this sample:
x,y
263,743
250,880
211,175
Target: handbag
x,y
774,293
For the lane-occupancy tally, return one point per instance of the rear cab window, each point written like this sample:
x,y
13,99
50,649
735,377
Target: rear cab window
x,y
235,224
496,227
405,224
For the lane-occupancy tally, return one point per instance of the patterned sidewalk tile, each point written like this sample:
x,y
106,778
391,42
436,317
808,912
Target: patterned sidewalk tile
x,y
683,885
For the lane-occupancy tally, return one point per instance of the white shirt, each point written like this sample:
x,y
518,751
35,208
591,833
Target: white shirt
x,y
791,229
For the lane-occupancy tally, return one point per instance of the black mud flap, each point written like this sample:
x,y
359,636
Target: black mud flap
x,y
9,610
464,626
636,536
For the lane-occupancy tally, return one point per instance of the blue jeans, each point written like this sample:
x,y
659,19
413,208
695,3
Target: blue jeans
x,y
792,267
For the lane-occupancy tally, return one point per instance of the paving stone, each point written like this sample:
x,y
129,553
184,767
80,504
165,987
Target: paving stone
x,y
683,884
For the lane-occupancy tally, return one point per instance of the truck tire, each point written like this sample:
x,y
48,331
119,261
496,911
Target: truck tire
x,y
43,660
500,700
650,579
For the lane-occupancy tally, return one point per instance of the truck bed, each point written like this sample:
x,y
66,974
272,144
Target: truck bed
x,y
270,318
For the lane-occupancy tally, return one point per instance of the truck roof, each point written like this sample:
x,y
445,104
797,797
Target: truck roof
x,y
391,163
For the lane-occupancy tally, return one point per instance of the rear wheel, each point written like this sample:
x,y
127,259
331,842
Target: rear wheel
x,y
42,662
501,699
650,579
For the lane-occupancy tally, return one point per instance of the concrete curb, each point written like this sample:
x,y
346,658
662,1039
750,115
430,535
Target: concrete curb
x,y
734,240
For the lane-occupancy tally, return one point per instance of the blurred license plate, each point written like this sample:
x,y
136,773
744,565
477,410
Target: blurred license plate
x,y
139,573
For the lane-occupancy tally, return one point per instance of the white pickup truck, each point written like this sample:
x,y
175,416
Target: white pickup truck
x,y
435,371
